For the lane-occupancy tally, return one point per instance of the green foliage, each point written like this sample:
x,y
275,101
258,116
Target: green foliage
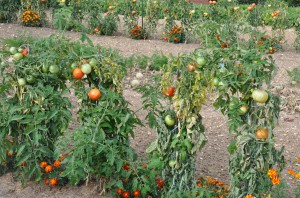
x,y
99,146
297,191
293,2
157,61
280,191
108,25
34,115
62,19
295,74
8,10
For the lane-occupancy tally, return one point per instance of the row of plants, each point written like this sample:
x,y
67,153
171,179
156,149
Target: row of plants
x,y
36,114
237,70
36,143
101,17
297,41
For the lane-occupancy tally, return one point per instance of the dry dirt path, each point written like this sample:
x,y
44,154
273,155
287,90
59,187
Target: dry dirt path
x,y
212,160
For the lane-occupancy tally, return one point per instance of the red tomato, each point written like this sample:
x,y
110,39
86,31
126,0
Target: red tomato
x,y
25,52
136,193
169,92
119,191
126,195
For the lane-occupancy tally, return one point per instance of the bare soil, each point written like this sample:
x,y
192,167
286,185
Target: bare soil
x,y
213,159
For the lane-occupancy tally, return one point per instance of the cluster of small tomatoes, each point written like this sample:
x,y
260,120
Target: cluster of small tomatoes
x,y
137,192
175,35
126,194
21,52
52,181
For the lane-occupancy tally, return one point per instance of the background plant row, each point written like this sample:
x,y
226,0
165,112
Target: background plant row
x,y
70,14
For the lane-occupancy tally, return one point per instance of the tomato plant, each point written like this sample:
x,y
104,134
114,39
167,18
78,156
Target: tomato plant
x,y
177,144
39,112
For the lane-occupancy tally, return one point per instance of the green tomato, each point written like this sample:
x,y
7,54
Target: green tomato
x,y
13,50
172,163
216,82
221,85
244,109
183,154
86,68
21,81
155,154
18,56
260,96
4,64
54,69
20,49
169,120
45,68
223,70
93,62
74,65
232,105
30,79
201,61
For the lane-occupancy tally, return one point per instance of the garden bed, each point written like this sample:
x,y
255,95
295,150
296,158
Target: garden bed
x,y
212,160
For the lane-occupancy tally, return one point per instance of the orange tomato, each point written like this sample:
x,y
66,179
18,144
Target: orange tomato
x,y
191,67
43,164
94,94
119,191
137,193
77,73
56,164
262,133
53,182
48,169
47,181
